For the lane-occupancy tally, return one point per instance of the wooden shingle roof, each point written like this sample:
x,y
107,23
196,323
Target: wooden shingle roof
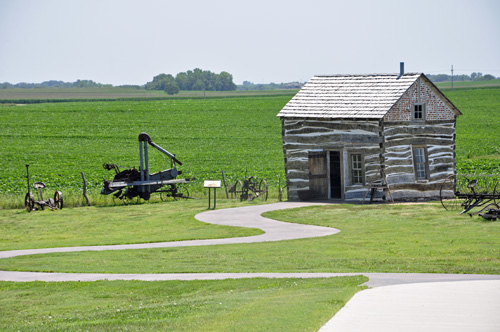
x,y
349,96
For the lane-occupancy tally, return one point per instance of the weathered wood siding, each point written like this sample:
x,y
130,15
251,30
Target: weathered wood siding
x,y
301,136
401,134
400,138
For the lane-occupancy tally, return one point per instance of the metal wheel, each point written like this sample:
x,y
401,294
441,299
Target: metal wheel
x,y
236,189
29,202
448,194
496,193
58,199
167,194
182,192
263,192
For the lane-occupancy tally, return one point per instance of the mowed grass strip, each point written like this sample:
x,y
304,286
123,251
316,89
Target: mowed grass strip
x,y
222,305
373,238
122,224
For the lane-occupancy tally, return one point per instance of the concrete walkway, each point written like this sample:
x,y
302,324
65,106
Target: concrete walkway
x,y
396,302
461,306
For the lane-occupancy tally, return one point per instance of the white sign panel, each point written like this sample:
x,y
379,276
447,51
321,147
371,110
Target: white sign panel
x,y
211,183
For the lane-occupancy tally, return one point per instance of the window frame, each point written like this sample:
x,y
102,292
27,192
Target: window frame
x,y
352,170
424,163
423,111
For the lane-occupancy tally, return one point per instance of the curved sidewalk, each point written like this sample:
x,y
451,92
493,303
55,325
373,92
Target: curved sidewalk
x,y
248,216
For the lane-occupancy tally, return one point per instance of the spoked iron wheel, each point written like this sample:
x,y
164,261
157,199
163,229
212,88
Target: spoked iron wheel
x,y
29,202
447,194
168,194
236,189
496,193
182,192
263,192
58,199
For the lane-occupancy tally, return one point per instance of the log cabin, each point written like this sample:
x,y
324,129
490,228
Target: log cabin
x,y
344,136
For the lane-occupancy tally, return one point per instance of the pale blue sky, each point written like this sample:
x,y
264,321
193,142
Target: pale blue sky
x,y
129,42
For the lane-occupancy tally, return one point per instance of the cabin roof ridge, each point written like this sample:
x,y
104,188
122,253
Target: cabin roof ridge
x,y
359,96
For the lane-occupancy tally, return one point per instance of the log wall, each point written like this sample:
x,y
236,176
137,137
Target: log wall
x,y
301,136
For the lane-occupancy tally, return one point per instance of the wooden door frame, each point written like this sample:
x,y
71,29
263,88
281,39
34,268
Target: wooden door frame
x,y
342,173
318,180
341,152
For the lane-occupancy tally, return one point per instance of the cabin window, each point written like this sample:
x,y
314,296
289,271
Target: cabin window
x,y
356,169
420,161
418,112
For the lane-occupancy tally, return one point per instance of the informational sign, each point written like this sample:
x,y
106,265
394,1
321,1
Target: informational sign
x,y
212,184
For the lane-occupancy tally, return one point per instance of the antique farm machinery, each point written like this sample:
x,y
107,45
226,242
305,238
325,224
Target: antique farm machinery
x,y
466,192
132,183
31,204
249,189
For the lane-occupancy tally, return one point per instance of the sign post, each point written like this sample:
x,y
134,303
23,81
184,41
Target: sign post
x,y
212,184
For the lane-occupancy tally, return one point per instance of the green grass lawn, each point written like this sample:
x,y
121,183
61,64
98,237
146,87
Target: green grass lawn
x,y
373,238
222,305
143,223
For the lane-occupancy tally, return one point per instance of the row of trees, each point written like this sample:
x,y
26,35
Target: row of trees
x,y
246,86
196,79
473,77
55,84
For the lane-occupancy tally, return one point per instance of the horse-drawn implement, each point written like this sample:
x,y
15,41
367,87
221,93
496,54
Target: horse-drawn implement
x,y
31,204
132,183
250,189
466,192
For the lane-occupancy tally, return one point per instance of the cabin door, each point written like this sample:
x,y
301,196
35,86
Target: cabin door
x,y
335,175
318,175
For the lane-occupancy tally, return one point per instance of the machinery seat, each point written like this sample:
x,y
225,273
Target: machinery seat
x,y
39,185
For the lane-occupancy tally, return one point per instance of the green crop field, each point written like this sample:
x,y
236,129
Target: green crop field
x,y
478,130
469,84
239,135
59,140
37,95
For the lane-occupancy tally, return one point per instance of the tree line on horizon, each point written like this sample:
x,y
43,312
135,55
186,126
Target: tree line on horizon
x,y
55,84
196,79
457,78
